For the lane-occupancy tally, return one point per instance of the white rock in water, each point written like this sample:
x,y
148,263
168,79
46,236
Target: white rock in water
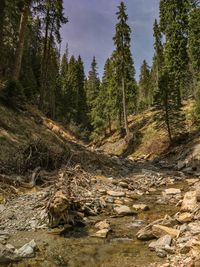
x,y
189,201
123,210
116,194
172,191
28,250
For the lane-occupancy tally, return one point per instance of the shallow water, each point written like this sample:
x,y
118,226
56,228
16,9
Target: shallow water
x,y
78,249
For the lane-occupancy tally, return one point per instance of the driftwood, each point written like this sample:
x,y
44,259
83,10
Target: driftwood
x,y
71,197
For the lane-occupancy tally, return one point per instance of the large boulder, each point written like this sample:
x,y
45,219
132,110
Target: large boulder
x,y
161,230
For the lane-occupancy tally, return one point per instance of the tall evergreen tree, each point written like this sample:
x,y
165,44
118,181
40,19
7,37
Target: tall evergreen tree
x,y
93,84
123,61
194,52
144,86
174,25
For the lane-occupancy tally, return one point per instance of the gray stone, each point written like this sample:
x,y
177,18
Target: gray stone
x,y
145,234
172,191
161,243
161,253
28,250
180,165
123,210
8,255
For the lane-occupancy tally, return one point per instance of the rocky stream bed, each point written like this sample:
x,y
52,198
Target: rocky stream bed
x,y
149,217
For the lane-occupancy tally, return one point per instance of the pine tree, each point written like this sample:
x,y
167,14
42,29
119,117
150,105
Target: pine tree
x,y
123,62
102,111
144,86
93,84
194,53
174,25
81,101
165,93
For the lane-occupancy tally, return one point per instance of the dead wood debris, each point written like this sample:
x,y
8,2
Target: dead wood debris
x,y
71,197
8,186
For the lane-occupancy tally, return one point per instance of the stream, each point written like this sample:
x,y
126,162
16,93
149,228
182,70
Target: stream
x,y
78,249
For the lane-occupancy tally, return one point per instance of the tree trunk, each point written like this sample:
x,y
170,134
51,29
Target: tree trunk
x,y
167,120
44,60
124,107
20,47
2,14
109,125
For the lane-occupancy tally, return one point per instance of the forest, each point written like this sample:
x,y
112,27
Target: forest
x,y
110,163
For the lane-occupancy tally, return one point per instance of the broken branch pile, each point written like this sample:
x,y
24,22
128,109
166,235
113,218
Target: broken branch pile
x,y
72,197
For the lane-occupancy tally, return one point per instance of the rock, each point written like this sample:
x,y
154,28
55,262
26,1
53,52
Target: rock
x,y
142,207
123,184
123,210
189,201
4,236
28,250
198,193
184,217
172,191
116,194
192,181
161,253
119,202
109,200
180,165
102,225
136,223
160,230
194,227
102,191
161,243
8,255
101,233
145,234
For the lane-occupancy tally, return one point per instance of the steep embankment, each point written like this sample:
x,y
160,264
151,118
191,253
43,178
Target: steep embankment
x,y
29,140
150,141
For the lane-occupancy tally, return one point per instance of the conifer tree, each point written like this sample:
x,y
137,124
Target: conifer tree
x,y
123,62
194,53
144,86
92,90
102,111
174,25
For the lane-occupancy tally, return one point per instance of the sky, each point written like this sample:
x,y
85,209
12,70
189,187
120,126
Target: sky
x,y
91,28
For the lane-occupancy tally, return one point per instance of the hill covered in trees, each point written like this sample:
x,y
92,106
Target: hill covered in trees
x,y
58,85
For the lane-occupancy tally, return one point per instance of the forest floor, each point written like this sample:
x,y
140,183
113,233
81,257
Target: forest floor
x,y
140,212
